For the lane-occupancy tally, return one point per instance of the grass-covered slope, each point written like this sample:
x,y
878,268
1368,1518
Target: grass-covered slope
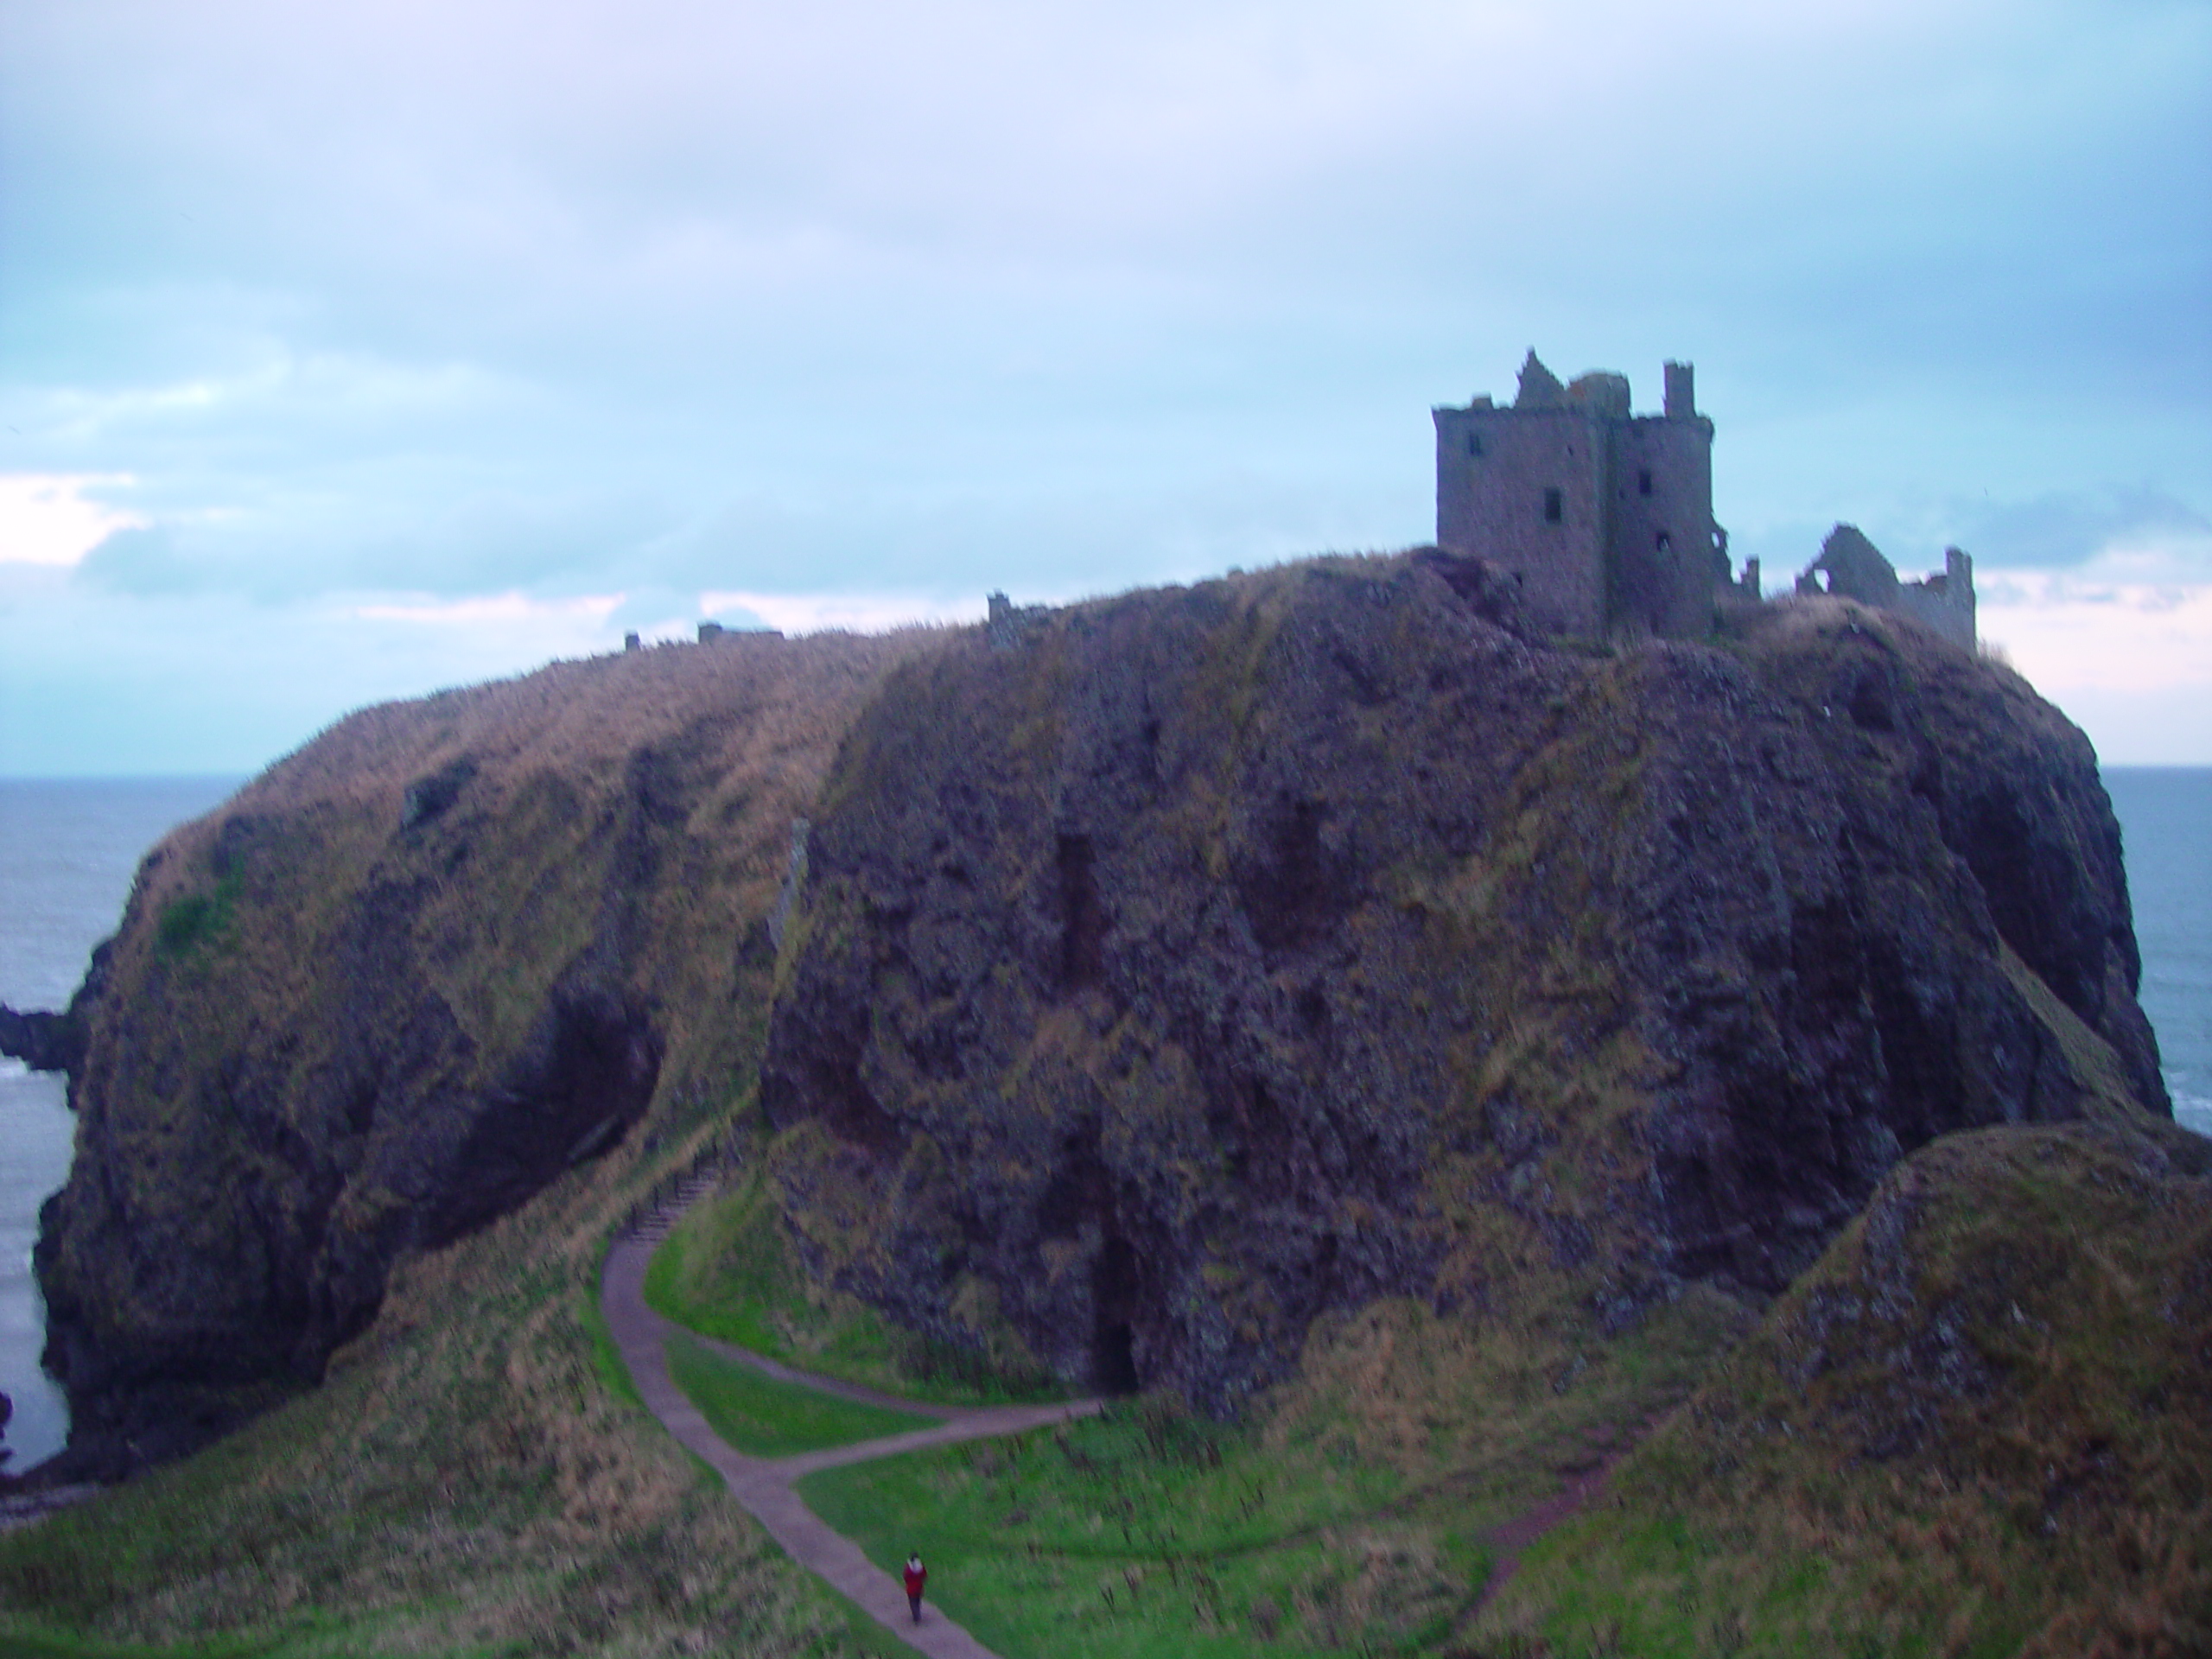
x,y
470,1478
1413,1052
1981,1425
402,980
1350,1512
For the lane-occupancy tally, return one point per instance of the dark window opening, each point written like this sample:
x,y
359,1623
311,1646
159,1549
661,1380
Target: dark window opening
x,y
1474,443
1644,481
1666,542
1555,509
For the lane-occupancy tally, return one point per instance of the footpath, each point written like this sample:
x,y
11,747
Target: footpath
x,y
764,1485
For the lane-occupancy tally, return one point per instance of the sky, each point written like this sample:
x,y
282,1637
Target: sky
x,y
350,353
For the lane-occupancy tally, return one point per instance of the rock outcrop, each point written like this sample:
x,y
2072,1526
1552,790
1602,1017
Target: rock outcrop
x,y
47,1041
411,974
1182,966
1149,976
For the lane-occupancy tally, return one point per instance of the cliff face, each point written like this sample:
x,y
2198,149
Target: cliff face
x,y
1167,971
1176,968
400,982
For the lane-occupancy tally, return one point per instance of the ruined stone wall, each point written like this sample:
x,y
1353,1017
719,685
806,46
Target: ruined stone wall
x,y
1850,567
1943,604
1495,473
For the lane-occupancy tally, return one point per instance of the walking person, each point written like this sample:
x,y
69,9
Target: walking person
x,y
917,1575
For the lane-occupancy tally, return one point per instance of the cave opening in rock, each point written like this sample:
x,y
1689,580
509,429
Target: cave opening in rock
x,y
1113,1342
1114,1360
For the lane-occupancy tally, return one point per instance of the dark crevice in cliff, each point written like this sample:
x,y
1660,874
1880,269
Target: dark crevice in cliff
x,y
1082,920
586,1075
1114,1303
1285,882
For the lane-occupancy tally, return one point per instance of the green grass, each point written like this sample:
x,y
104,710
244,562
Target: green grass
x,y
196,917
1349,1514
59,1645
765,1418
2052,1504
606,1359
1146,1534
727,1271
472,1478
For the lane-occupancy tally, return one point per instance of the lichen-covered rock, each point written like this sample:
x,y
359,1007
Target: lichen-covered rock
x,y
1174,967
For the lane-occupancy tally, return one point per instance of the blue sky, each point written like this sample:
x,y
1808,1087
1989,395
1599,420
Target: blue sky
x,y
345,355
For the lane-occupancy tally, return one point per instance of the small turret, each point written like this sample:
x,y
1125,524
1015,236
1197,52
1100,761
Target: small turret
x,y
1681,391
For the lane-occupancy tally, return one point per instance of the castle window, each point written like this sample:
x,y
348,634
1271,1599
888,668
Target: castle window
x,y
1474,443
1555,509
1643,482
1666,542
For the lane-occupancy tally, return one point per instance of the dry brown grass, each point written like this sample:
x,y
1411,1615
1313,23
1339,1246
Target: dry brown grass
x,y
466,1479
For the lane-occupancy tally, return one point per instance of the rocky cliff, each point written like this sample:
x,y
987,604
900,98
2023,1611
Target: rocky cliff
x,y
447,950
1166,971
1174,969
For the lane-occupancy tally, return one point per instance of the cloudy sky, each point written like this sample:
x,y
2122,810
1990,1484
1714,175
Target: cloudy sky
x,y
347,352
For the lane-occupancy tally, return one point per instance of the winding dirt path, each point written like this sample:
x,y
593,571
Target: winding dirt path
x,y
764,1485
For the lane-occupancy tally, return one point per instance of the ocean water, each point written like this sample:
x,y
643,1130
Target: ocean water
x,y
2165,827
67,853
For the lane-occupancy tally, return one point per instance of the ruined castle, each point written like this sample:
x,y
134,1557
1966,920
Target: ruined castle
x,y
1850,567
1606,516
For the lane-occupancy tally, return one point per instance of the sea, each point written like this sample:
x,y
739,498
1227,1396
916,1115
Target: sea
x,y
68,851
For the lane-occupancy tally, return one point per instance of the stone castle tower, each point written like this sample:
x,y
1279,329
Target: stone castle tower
x,y
1606,516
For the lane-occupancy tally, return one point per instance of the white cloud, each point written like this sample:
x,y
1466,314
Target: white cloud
x,y
2094,630
856,612
445,304
45,518
492,610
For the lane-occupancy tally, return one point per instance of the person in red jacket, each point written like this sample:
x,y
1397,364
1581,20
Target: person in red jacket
x,y
917,1575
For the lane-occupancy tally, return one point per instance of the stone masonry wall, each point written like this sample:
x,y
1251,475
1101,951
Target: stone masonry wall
x,y
1663,562
1632,545
1493,468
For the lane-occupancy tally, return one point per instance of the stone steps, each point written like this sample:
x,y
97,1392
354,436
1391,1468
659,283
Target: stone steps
x,y
661,1220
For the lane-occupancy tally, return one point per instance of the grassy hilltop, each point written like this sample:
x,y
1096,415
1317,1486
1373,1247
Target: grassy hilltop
x,y
1440,1072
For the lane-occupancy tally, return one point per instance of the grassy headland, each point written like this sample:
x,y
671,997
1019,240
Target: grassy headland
x,y
1439,1056
1981,1425
473,1474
